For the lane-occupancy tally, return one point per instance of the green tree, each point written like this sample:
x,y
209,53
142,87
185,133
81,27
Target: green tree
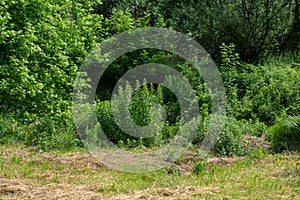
x,y
255,27
42,44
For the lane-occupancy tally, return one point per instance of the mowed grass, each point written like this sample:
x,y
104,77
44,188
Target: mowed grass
x,y
28,174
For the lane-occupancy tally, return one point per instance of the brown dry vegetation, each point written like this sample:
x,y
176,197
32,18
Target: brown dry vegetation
x,y
28,174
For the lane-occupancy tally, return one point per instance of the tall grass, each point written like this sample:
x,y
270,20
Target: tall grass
x,y
285,135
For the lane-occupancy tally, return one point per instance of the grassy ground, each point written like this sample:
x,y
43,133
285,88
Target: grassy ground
x,y
27,174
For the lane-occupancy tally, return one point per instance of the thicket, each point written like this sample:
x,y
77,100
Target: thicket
x,y
257,28
43,44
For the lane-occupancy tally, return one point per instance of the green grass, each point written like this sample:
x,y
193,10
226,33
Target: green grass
x,y
271,177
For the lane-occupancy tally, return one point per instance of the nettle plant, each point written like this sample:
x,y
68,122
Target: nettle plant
x,y
145,96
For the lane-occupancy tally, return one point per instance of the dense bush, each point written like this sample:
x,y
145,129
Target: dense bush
x,y
229,141
45,133
139,108
264,92
43,43
256,27
285,135
10,129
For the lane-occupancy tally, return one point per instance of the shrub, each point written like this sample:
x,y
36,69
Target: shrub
x,y
285,135
49,134
140,114
263,93
229,141
45,133
10,129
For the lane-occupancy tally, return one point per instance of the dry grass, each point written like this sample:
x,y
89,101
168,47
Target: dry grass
x,y
16,189
27,174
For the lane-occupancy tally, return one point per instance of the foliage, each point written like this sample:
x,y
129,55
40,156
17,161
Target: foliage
x,y
199,168
44,44
10,129
254,26
257,153
262,93
49,134
229,141
140,114
45,133
285,134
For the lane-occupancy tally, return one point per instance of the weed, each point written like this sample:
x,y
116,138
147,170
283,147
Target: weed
x,y
199,168
285,135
